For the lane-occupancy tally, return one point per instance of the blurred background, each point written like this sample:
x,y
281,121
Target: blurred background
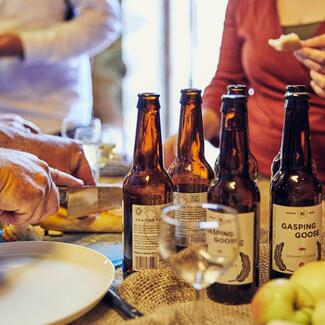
x,y
165,46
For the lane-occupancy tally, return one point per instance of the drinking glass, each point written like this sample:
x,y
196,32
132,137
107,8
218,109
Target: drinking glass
x,y
200,242
90,136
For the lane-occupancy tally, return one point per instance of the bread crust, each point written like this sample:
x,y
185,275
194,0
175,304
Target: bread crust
x,y
286,43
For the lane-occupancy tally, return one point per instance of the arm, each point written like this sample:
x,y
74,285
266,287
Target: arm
x,y
229,71
61,153
96,26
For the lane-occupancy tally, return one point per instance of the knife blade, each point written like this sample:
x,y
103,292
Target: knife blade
x,y
87,200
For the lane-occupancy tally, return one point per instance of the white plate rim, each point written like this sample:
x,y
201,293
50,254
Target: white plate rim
x,y
4,248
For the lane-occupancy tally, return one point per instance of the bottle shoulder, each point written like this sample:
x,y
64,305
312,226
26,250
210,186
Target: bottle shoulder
x,y
147,178
298,186
238,187
191,169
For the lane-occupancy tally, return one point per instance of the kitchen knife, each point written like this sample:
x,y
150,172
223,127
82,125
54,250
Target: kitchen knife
x,y
113,300
87,200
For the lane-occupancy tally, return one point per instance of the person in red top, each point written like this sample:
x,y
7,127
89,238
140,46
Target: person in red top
x,y
246,57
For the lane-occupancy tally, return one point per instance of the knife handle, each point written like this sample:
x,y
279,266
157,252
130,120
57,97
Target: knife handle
x,y
63,193
121,306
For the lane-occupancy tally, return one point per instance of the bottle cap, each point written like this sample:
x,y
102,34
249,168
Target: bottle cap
x,y
146,99
237,89
296,90
190,95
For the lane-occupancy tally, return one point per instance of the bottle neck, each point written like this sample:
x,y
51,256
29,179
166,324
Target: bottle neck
x,y
190,134
148,146
295,146
234,145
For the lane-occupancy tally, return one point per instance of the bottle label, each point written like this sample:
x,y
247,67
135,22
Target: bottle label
x,y
296,236
145,236
183,236
122,226
224,242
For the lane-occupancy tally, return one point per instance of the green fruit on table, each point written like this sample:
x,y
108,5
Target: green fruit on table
x,y
281,299
311,276
318,316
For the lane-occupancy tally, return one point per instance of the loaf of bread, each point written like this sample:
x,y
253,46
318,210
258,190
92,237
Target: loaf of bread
x,y
107,221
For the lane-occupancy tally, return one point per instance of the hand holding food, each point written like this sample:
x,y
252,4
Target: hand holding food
x,y
300,300
312,55
27,190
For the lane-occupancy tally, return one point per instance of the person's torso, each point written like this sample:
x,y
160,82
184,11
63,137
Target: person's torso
x,y
42,92
268,72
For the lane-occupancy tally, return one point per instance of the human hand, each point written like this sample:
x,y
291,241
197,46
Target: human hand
x,y
17,122
27,187
170,150
64,154
312,55
11,45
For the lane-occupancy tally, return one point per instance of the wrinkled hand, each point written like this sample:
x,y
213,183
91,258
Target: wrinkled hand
x,y
312,55
64,154
170,150
27,190
17,122
11,46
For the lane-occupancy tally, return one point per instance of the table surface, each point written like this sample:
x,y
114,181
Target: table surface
x,y
110,245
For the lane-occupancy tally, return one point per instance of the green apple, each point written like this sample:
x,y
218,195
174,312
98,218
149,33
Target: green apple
x,y
318,316
280,299
311,276
280,322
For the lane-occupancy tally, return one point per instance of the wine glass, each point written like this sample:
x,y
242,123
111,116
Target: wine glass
x,y
200,242
90,136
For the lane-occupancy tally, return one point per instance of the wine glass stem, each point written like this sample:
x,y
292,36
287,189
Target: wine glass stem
x,y
197,295
199,316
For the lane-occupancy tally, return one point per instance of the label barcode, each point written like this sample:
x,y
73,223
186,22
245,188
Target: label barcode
x,y
182,241
150,262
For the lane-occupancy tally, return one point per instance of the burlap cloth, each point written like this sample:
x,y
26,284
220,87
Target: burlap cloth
x,y
165,299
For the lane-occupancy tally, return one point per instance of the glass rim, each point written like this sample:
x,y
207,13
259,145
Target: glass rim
x,y
205,224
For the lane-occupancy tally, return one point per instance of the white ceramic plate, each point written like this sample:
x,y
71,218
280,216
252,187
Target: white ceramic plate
x,y
49,282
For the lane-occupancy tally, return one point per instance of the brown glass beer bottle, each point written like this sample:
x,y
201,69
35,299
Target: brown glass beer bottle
x,y
190,172
295,222
146,190
239,89
276,161
235,188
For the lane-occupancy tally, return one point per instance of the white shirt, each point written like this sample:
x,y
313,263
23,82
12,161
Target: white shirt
x,y
54,79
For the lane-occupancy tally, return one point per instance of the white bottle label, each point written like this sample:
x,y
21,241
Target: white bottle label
x,y
184,237
296,236
123,227
145,236
223,241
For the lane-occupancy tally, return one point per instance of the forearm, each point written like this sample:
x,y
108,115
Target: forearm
x,y
95,27
211,123
55,151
